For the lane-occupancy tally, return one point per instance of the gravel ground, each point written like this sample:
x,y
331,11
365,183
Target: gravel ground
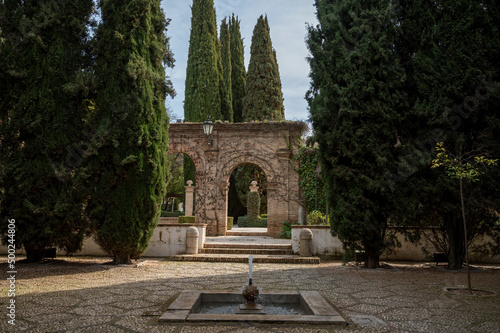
x,y
87,295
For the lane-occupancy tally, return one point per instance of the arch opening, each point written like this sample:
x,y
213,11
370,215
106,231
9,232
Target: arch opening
x,y
239,186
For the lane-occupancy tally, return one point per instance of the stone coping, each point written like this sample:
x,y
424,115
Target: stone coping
x,y
173,224
310,227
317,309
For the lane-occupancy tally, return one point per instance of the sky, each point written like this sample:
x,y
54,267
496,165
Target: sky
x,y
287,22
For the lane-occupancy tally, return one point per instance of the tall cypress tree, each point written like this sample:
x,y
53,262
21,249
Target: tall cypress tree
x,y
203,74
451,52
225,70
43,85
263,96
354,103
128,165
238,72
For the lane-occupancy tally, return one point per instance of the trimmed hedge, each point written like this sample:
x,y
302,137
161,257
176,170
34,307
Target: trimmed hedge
x,y
186,219
247,221
253,204
230,221
165,213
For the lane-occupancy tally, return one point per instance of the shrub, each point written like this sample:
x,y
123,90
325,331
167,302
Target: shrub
x,y
230,220
316,218
186,219
164,213
249,222
286,230
253,204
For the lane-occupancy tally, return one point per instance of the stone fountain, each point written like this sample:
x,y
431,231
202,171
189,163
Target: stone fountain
x,y
225,306
250,294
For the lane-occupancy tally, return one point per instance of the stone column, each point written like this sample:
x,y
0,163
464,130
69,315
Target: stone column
x,y
189,198
221,207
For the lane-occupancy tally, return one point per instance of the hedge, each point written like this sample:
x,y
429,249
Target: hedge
x,y
230,221
165,213
186,219
246,221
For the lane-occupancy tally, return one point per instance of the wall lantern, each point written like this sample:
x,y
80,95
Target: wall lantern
x,y
208,127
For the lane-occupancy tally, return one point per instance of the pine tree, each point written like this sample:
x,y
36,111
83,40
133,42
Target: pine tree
x,y
451,51
203,73
225,70
238,72
128,165
263,96
43,87
354,103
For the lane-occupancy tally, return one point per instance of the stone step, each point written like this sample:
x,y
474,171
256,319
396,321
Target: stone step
x,y
246,233
278,259
246,251
247,246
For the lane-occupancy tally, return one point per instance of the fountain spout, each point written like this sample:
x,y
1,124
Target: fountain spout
x,y
250,293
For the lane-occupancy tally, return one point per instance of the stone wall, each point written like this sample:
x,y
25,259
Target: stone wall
x,y
169,238
324,244
267,145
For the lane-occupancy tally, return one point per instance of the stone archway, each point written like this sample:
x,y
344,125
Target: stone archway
x,y
267,145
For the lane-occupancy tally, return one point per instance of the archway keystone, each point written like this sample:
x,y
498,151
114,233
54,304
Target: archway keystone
x,y
266,145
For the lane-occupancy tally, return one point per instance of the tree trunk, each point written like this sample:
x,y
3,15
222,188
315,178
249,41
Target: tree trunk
x,y
121,259
456,250
372,259
34,255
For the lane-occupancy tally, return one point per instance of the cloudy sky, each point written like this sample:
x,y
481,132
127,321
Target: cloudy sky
x,y
287,21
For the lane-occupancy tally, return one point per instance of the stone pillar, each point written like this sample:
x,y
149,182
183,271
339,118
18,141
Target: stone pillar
x,y
192,235
189,198
221,207
306,237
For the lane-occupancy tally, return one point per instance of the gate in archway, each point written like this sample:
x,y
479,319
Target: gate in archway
x,y
267,145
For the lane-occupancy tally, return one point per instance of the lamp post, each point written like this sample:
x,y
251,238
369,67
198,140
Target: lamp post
x,y
208,127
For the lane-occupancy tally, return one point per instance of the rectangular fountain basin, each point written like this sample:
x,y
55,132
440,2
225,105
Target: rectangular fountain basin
x,y
307,307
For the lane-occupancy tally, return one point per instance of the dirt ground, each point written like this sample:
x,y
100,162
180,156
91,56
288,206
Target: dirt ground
x,y
84,294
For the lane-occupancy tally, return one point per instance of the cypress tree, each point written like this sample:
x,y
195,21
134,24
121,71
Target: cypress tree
x,y
128,165
225,72
263,96
238,72
43,87
451,50
354,103
203,73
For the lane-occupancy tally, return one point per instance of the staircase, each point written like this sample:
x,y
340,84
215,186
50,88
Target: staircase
x,y
236,246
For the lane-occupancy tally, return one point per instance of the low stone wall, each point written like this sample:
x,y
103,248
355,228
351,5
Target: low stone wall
x,y
169,238
324,244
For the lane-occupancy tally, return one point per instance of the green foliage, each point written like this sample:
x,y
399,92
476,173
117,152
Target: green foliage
x,y
286,230
44,91
263,96
251,222
451,52
316,218
164,213
186,219
460,167
253,204
225,40
311,184
230,221
127,168
175,174
204,67
244,175
355,104
238,72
